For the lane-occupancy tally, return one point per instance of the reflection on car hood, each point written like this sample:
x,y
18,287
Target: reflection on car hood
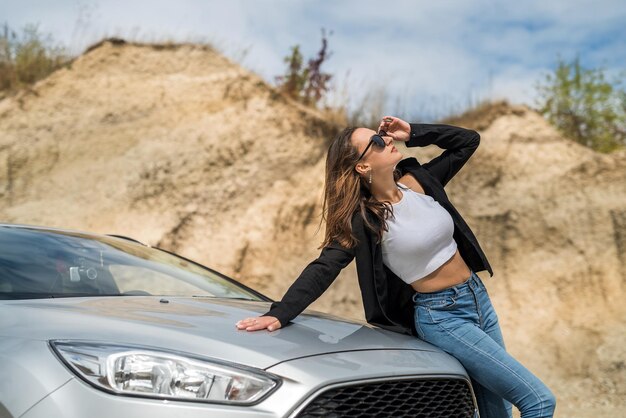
x,y
202,326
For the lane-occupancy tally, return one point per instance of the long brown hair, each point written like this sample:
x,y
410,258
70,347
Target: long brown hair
x,y
346,192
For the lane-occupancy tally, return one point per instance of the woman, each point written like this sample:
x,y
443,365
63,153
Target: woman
x,y
416,258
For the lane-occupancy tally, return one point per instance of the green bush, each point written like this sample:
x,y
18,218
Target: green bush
x,y
584,106
27,57
306,84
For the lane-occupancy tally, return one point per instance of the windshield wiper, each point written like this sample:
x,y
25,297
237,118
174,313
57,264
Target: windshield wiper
x,y
221,297
36,295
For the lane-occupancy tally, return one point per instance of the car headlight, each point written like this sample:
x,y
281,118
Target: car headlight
x,y
162,374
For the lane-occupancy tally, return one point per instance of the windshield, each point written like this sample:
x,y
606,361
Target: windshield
x,y
36,263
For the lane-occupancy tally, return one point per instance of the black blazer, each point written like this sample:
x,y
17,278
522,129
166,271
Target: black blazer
x,y
386,298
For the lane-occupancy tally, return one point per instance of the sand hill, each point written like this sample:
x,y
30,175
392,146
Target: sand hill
x,y
179,147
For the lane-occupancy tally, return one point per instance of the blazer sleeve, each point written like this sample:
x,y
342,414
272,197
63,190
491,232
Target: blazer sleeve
x,y
316,277
459,144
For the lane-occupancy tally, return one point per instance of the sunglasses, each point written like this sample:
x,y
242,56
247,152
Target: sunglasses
x,y
376,139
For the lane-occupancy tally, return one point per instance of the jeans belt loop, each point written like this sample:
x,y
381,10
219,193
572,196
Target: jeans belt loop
x,y
472,282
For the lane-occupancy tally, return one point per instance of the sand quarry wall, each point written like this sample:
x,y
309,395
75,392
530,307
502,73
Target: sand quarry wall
x,y
179,147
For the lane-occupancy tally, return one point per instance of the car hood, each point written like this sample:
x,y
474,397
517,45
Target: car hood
x,y
200,326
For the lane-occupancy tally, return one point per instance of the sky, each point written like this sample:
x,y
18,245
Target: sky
x,y
425,58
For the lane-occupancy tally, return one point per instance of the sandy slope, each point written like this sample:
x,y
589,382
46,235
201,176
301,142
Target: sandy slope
x,y
179,147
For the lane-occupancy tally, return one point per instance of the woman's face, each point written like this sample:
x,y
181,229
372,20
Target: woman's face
x,y
376,158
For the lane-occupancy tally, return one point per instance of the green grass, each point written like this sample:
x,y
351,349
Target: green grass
x,y
27,57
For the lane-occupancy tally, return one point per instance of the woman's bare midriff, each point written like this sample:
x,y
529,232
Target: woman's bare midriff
x,y
452,272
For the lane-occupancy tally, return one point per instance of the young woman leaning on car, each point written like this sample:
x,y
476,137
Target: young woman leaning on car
x,y
395,218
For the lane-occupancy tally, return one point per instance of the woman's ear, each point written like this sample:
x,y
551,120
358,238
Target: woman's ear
x,y
362,168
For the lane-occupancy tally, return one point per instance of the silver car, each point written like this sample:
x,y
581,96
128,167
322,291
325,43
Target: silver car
x,y
105,326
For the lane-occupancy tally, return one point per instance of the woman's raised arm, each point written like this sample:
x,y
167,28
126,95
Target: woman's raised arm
x,y
459,144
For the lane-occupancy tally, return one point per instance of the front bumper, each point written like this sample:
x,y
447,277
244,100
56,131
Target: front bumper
x,y
303,380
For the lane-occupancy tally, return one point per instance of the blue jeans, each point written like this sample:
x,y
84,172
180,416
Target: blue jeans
x,y
462,322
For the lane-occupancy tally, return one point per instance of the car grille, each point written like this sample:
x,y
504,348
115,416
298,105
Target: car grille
x,y
427,398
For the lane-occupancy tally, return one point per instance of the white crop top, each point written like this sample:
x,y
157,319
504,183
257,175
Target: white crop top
x,y
419,239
